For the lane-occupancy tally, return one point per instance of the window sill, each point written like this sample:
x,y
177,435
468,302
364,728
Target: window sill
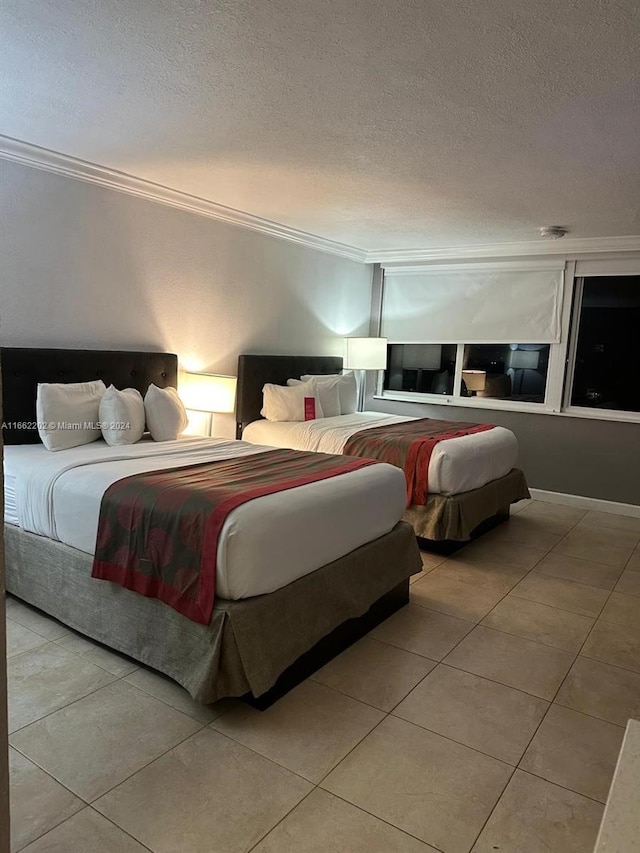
x,y
466,402
498,404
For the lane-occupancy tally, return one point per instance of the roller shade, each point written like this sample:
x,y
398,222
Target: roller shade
x,y
608,266
474,304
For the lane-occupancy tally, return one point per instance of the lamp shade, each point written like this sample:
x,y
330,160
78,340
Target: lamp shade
x,y
475,380
208,392
522,359
365,353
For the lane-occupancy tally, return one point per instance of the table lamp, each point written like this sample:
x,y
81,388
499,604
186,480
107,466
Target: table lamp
x,y
475,380
209,393
364,354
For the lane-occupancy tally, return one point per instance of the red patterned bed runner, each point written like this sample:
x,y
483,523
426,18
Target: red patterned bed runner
x,y
409,445
158,532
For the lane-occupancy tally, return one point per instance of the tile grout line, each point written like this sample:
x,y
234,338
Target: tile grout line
x,y
515,584
203,726
143,767
551,702
83,806
532,570
390,713
115,678
61,708
386,714
89,803
282,766
283,818
113,823
418,725
344,758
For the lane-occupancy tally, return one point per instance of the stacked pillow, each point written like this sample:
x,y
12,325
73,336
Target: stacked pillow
x,y
68,413
327,393
76,413
300,402
166,415
121,416
311,397
347,389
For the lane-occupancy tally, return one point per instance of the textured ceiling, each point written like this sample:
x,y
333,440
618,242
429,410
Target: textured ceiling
x,y
377,123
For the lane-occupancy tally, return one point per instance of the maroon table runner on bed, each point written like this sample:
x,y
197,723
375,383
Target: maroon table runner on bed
x,y
409,445
158,532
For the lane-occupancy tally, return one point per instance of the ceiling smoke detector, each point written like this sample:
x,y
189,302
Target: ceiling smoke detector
x,y
553,232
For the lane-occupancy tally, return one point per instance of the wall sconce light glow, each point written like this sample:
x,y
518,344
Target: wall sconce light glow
x,y
208,392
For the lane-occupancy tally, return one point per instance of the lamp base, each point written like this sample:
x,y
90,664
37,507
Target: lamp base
x,y
362,389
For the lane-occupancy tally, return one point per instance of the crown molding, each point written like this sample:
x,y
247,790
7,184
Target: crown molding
x,y
62,164
71,167
567,247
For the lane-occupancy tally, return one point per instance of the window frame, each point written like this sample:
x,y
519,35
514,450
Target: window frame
x,y
456,398
562,357
572,350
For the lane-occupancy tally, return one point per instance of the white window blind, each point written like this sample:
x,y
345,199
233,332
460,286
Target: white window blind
x,y
475,304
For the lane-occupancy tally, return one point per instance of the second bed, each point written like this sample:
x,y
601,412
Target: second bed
x,y
473,479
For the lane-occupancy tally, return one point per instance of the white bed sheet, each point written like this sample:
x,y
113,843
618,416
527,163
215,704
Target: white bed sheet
x,y
10,508
264,544
457,465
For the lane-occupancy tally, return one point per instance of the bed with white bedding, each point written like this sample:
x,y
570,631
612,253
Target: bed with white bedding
x,y
301,573
264,544
456,465
472,479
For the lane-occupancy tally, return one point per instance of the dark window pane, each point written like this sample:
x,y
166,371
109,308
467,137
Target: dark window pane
x,y
606,372
423,368
506,371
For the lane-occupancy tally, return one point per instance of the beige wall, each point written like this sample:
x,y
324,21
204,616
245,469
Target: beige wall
x,y
87,266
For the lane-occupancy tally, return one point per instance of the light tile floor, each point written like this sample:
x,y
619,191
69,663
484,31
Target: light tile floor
x,y
487,715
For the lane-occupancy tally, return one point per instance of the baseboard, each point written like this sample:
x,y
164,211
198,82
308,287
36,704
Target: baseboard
x,y
584,502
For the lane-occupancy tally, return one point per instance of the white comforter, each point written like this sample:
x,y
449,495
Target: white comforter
x,y
264,544
457,465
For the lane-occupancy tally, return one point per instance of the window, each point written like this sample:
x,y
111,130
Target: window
x,y
606,324
421,368
506,371
516,372
576,322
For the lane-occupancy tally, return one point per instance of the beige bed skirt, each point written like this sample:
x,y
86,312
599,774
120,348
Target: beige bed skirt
x,y
247,644
454,517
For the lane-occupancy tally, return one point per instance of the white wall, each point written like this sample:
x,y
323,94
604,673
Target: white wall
x,y
85,266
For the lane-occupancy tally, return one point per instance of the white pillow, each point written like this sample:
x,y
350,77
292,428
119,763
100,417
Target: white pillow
x,y
328,394
68,413
347,389
165,412
121,416
299,403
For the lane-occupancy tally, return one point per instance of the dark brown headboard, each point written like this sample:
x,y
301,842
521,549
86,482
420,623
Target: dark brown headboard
x,y
256,370
23,368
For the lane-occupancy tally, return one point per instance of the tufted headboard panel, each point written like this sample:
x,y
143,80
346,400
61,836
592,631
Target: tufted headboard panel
x,y
256,370
23,368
